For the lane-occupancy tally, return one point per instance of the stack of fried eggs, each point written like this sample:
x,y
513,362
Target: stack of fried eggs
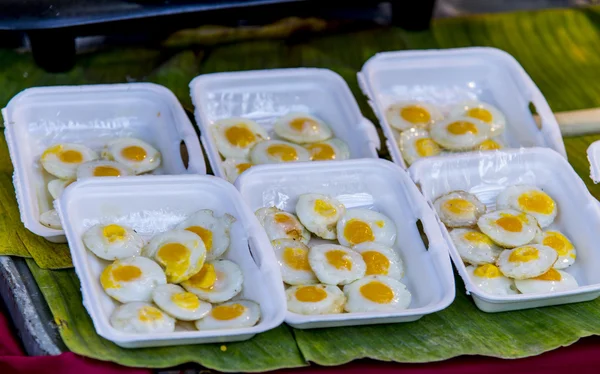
x,y
301,137
510,250
179,275
349,266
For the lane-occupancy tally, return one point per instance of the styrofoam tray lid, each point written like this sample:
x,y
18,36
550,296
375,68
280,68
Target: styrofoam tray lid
x,y
374,184
156,204
593,155
447,77
265,95
91,115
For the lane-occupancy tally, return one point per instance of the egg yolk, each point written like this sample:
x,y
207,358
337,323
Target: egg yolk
x,y
487,271
557,241
321,152
240,136
205,278
324,208
462,127
134,153
296,258
377,292
113,274
149,314
481,114
283,152
243,167
289,224
114,233
377,263
186,300
415,114
357,232
510,223
477,238
106,171
227,312
550,275
380,223
69,156
524,254
299,124
310,294
175,257
536,201
426,147
205,234
459,207
489,145
339,259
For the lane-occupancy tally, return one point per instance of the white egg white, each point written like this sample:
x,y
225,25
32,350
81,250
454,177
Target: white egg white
x,y
218,281
62,160
335,264
277,151
328,150
176,302
141,318
279,224
315,299
508,228
528,261
415,144
214,231
292,256
102,168
231,315
460,133
381,260
112,241
489,279
135,154
302,128
482,111
376,293
406,115
233,167
551,281
320,213
51,219
531,200
475,247
57,186
459,209
360,225
561,244
132,279
235,137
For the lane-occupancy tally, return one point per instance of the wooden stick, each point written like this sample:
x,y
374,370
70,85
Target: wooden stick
x,y
578,122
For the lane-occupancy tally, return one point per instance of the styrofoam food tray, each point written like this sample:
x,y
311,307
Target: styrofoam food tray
x,y
486,175
156,204
593,155
266,95
373,184
91,115
448,77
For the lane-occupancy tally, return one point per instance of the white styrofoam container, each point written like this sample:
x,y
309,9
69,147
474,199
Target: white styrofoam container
x,y
91,115
593,155
373,184
265,95
156,204
447,77
486,175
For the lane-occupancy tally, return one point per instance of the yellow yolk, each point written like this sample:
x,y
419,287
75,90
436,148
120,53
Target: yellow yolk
x,y
524,254
113,232
205,278
283,152
310,294
459,207
106,171
357,232
289,225
240,136
557,241
186,300
339,259
377,292
487,271
462,127
510,223
415,114
175,257
243,167
206,235
296,258
298,124
380,224
149,314
377,263
69,156
477,238
426,147
324,208
489,145
227,312
321,152
113,274
536,201
481,114
134,153
550,275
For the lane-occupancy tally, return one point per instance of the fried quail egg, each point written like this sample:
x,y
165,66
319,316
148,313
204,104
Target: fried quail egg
x,y
531,200
135,154
508,228
562,245
233,167
214,231
282,225
57,186
335,264
292,256
332,149
302,128
51,219
319,214
380,260
277,151
112,241
412,114
363,225
551,281
315,299
489,145
180,252
474,247
141,318
176,302
231,315
235,137
459,209
415,144
527,261
376,293
62,160
132,279
218,281
460,133
490,280
102,168
482,111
